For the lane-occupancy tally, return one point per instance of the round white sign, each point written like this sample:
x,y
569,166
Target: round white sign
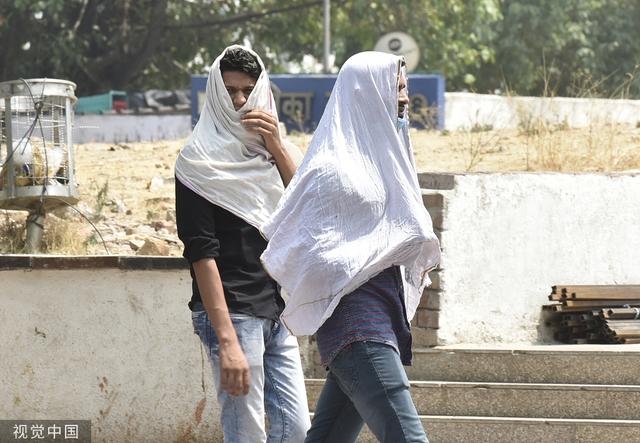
x,y
400,43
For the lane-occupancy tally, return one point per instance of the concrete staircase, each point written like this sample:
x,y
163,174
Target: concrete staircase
x,y
555,394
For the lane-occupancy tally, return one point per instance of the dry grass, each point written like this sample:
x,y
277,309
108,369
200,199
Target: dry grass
x,y
60,237
598,148
12,231
63,237
538,146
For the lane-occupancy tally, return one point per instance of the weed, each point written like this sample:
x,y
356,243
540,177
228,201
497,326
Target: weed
x,y
61,237
12,232
102,197
478,144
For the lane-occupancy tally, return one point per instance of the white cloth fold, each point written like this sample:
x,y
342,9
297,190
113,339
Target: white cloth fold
x,y
222,161
354,207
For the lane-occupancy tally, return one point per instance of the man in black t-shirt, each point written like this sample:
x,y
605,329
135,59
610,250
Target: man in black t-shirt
x,y
229,177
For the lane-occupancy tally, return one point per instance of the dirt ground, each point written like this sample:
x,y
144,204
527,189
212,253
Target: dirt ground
x,y
127,189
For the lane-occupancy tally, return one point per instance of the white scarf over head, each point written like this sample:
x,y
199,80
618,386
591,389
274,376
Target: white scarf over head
x,y
354,207
222,161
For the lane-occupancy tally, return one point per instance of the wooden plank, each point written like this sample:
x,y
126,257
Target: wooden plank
x,y
628,334
574,309
622,323
589,316
595,336
562,336
580,341
572,323
621,313
619,292
602,303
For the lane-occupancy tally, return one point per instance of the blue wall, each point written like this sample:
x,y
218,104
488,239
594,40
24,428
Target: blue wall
x,y
303,98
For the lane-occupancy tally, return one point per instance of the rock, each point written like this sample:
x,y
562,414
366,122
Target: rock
x,y
153,246
118,206
158,225
125,249
145,230
136,244
85,209
171,228
155,184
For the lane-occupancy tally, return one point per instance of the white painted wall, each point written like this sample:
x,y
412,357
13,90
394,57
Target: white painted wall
x,y
509,237
116,347
123,128
465,110
462,111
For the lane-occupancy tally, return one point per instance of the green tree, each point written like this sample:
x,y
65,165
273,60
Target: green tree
x,y
454,36
97,44
123,44
568,47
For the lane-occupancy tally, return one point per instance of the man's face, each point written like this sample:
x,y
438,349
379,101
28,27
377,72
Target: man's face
x,y
403,96
239,86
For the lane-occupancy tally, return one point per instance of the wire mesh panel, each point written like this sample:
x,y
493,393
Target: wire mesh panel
x,y
36,149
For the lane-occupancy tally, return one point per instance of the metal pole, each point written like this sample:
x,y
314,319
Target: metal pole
x,y
327,35
11,172
35,229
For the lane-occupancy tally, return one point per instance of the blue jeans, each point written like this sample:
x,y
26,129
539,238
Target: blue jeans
x,y
366,383
277,383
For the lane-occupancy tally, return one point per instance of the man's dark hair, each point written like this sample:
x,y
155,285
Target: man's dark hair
x,y
239,60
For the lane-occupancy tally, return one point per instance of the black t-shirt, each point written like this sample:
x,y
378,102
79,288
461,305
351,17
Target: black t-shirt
x,y
208,231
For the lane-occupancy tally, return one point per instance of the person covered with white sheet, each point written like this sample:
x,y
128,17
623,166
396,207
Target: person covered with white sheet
x,y
351,243
229,178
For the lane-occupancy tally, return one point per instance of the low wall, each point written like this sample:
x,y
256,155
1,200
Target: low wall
x,y
109,339
507,238
105,339
127,128
465,111
462,111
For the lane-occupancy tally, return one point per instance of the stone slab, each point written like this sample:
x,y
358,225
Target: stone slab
x,y
587,364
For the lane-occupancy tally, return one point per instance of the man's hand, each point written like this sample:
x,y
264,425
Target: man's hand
x,y
266,125
234,369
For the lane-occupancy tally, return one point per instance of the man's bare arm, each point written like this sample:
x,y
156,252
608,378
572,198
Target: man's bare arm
x,y
234,369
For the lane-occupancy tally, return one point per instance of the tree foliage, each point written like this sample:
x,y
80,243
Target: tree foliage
x,y
124,44
568,47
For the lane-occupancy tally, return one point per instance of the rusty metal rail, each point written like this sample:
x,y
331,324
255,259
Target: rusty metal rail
x,y
594,314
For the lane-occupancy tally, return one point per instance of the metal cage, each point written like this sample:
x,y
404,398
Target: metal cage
x,y
36,147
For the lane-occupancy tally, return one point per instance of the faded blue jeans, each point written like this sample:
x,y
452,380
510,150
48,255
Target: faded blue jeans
x,y
277,383
366,383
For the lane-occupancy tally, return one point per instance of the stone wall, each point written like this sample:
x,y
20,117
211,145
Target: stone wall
x,y
507,238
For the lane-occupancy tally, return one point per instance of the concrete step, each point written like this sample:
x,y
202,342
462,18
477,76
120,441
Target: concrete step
x,y
587,364
523,430
577,401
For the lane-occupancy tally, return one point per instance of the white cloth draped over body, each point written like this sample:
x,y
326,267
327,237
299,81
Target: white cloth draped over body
x,y
354,206
226,164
